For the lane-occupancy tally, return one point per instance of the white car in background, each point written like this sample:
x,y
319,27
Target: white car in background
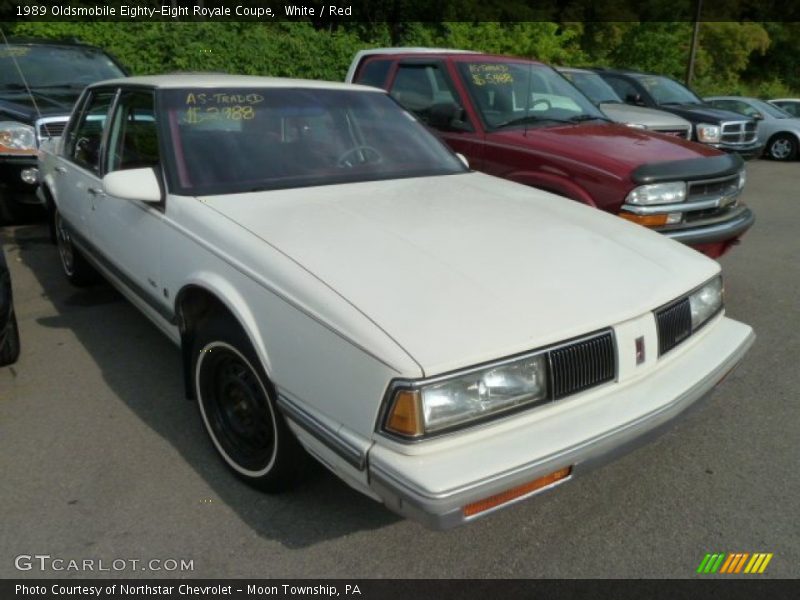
x,y
446,342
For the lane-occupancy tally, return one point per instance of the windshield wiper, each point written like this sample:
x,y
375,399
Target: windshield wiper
x,y
582,118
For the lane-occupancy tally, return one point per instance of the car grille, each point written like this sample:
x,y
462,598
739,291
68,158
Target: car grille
x,y
739,132
714,188
581,365
674,323
50,127
683,132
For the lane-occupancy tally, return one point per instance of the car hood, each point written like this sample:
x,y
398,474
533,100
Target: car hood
x,y
616,149
19,103
649,117
702,113
465,268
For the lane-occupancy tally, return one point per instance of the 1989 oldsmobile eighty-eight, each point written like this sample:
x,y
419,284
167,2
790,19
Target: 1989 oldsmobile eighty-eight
x,y
446,342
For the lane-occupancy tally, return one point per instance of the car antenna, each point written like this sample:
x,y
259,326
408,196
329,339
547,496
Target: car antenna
x,y
21,74
528,99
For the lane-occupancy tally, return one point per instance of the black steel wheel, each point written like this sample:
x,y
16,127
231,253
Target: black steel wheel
x,y
238,409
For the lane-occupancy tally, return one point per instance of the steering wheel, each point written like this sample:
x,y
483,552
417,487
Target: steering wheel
x,y
365,151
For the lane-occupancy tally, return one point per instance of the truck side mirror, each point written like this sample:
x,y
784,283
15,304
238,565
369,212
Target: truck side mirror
x,y
448,116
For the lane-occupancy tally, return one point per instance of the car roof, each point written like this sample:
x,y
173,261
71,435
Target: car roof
x,y
573,70
435,51
730,98
784,100
219,80
64,43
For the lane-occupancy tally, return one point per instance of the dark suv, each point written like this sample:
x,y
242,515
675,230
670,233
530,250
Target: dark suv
x,y
723,129
40,81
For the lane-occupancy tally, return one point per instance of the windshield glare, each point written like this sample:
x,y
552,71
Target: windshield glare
x,y
509,94
593,86
54,66
239,140
666,91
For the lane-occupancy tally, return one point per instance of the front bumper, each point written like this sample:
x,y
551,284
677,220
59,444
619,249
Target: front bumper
x,y
579,432
724,231
747,152
11,182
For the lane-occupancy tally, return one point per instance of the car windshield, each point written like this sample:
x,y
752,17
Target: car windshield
x,y
248,139
518,94
667,91
769,109
47,66
591,84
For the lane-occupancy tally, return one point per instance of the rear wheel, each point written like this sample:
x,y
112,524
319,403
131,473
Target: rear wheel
x,y
237,405
77,270
782,146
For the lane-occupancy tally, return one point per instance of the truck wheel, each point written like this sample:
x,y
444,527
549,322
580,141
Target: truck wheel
x,y
782,146
9,350
77,270
237,405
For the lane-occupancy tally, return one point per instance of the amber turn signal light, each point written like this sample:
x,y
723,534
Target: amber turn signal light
x,y
646,220
470,510
405,416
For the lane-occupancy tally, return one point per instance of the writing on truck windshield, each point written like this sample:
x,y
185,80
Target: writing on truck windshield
x,y
240,140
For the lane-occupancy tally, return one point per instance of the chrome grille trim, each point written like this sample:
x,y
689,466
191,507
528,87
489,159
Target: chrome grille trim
x,y
714,188
50,127
681,132
674,324
582,365
738,132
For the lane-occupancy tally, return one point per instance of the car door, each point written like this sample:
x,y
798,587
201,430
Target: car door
x,y
129,232
78,167
427,90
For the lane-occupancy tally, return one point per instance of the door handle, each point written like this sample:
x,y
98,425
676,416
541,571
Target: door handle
x,y
61,170
95,191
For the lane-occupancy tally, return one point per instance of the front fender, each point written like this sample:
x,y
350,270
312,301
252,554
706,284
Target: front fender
x,y
552,182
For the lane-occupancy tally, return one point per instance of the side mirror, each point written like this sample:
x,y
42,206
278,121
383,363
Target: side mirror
x,y
134,184
635,99
758,116
463,159
448,116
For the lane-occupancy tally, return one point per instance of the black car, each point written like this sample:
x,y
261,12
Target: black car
x,y
723,129
40,81
9,334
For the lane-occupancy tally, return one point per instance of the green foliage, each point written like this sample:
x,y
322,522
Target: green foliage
x,y
757,58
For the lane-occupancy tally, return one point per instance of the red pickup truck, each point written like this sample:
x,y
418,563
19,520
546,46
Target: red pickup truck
x,y
520,119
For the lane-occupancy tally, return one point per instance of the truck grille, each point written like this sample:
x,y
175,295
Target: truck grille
x,y
681,132
582,365
714,188
739,132
674,323
50,127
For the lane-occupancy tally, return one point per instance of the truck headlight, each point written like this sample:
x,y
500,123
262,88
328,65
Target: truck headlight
x,y
462,398
658,193
17,138
705,302
708,133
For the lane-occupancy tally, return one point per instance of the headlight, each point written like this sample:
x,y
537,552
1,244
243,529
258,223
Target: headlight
x,y
708,134
706,302
463,398
658,193
17,138
636,125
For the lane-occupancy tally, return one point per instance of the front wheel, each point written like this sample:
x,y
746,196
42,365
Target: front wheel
x,y
782,147
237,405
75,267
9,342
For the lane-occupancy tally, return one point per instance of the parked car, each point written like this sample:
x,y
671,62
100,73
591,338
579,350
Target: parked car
x,y
445,341
9,332
722,129
790,105
777,129
519,119
39,83
608,101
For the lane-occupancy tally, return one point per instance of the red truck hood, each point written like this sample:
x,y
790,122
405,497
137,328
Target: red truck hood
x,y
617,149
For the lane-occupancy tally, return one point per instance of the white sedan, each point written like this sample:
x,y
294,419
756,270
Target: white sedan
x,y
446,342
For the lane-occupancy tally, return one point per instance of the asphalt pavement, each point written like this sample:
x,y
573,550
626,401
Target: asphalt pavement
x,y
102,459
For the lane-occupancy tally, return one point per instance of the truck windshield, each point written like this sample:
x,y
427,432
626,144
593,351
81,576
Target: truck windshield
x,y
227,141
517,94
593,86
666,91
46,66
